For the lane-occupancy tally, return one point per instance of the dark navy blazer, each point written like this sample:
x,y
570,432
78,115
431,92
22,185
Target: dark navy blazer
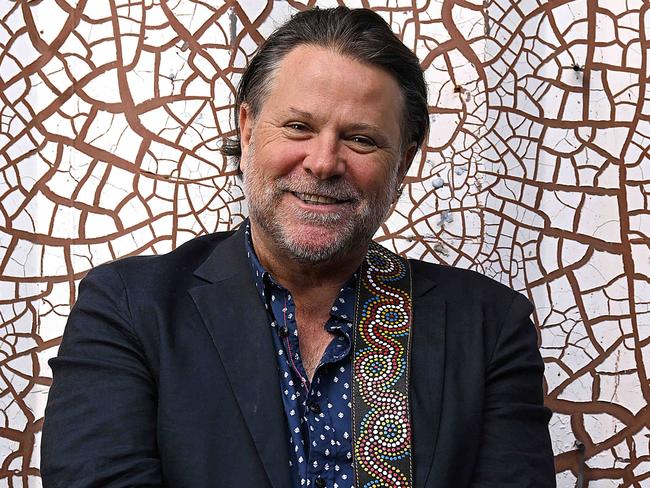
x,y
166,376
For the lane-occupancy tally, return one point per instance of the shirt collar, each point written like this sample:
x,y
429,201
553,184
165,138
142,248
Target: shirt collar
x,y
259,273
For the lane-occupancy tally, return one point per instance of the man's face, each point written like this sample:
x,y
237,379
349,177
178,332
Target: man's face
x,y
322,161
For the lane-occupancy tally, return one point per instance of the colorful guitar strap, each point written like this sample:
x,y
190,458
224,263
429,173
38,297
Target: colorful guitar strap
x,y
381,422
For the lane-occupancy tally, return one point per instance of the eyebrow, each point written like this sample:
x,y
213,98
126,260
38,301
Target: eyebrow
x,y
301,113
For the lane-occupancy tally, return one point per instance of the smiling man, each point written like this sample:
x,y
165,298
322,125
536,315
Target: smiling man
x,y
323,158
295,351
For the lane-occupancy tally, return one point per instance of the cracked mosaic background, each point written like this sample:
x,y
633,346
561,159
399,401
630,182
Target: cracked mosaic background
x,y
536,173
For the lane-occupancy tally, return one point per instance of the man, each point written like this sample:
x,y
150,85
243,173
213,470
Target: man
x,y
295,352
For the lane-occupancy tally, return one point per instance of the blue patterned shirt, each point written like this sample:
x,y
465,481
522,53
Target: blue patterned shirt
x,y
319,414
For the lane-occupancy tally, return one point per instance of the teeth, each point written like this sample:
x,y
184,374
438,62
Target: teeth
x,y
309,198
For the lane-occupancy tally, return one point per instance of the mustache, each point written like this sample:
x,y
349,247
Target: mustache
x,y
339,190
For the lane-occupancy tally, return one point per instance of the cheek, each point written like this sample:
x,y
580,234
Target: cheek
x,y
372,177
283,158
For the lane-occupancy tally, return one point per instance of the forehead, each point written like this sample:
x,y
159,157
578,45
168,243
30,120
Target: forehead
x,y
323,80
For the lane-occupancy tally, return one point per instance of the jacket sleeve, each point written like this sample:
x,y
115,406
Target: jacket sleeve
x,y
100,420
515,448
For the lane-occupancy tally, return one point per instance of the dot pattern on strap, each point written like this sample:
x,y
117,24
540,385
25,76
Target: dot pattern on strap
x,y
381,420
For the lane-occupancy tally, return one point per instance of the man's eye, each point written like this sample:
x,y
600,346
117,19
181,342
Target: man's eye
x,y
297,126
365,141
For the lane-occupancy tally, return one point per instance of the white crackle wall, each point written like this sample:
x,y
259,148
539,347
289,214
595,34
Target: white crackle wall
x,y
536,173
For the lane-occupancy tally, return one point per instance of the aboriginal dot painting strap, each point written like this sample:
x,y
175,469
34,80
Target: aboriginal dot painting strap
x,y
381,420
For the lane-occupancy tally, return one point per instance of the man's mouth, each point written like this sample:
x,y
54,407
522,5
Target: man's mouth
x,y
317,199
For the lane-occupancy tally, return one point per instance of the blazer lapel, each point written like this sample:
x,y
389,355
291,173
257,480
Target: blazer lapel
x,y
239,327
427,373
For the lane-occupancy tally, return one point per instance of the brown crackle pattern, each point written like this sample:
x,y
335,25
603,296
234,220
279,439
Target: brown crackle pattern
x,y
536,173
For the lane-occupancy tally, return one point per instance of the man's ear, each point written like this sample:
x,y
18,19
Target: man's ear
x,y
405,162
404,165
245,131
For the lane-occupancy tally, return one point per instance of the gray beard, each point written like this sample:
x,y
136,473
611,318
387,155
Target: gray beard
x,y
352,232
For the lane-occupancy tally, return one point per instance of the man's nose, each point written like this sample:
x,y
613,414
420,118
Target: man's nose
x,y
324,160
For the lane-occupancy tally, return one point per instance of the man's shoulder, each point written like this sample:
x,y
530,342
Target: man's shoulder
x,y
463,284
174,265
471,298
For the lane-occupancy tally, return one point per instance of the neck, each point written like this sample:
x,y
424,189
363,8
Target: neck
x,y
300,277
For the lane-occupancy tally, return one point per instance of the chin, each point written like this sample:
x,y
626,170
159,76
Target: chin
x,y
317,250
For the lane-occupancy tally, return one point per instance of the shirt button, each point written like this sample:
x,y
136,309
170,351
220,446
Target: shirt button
x,y
315,407
283,331
320,482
